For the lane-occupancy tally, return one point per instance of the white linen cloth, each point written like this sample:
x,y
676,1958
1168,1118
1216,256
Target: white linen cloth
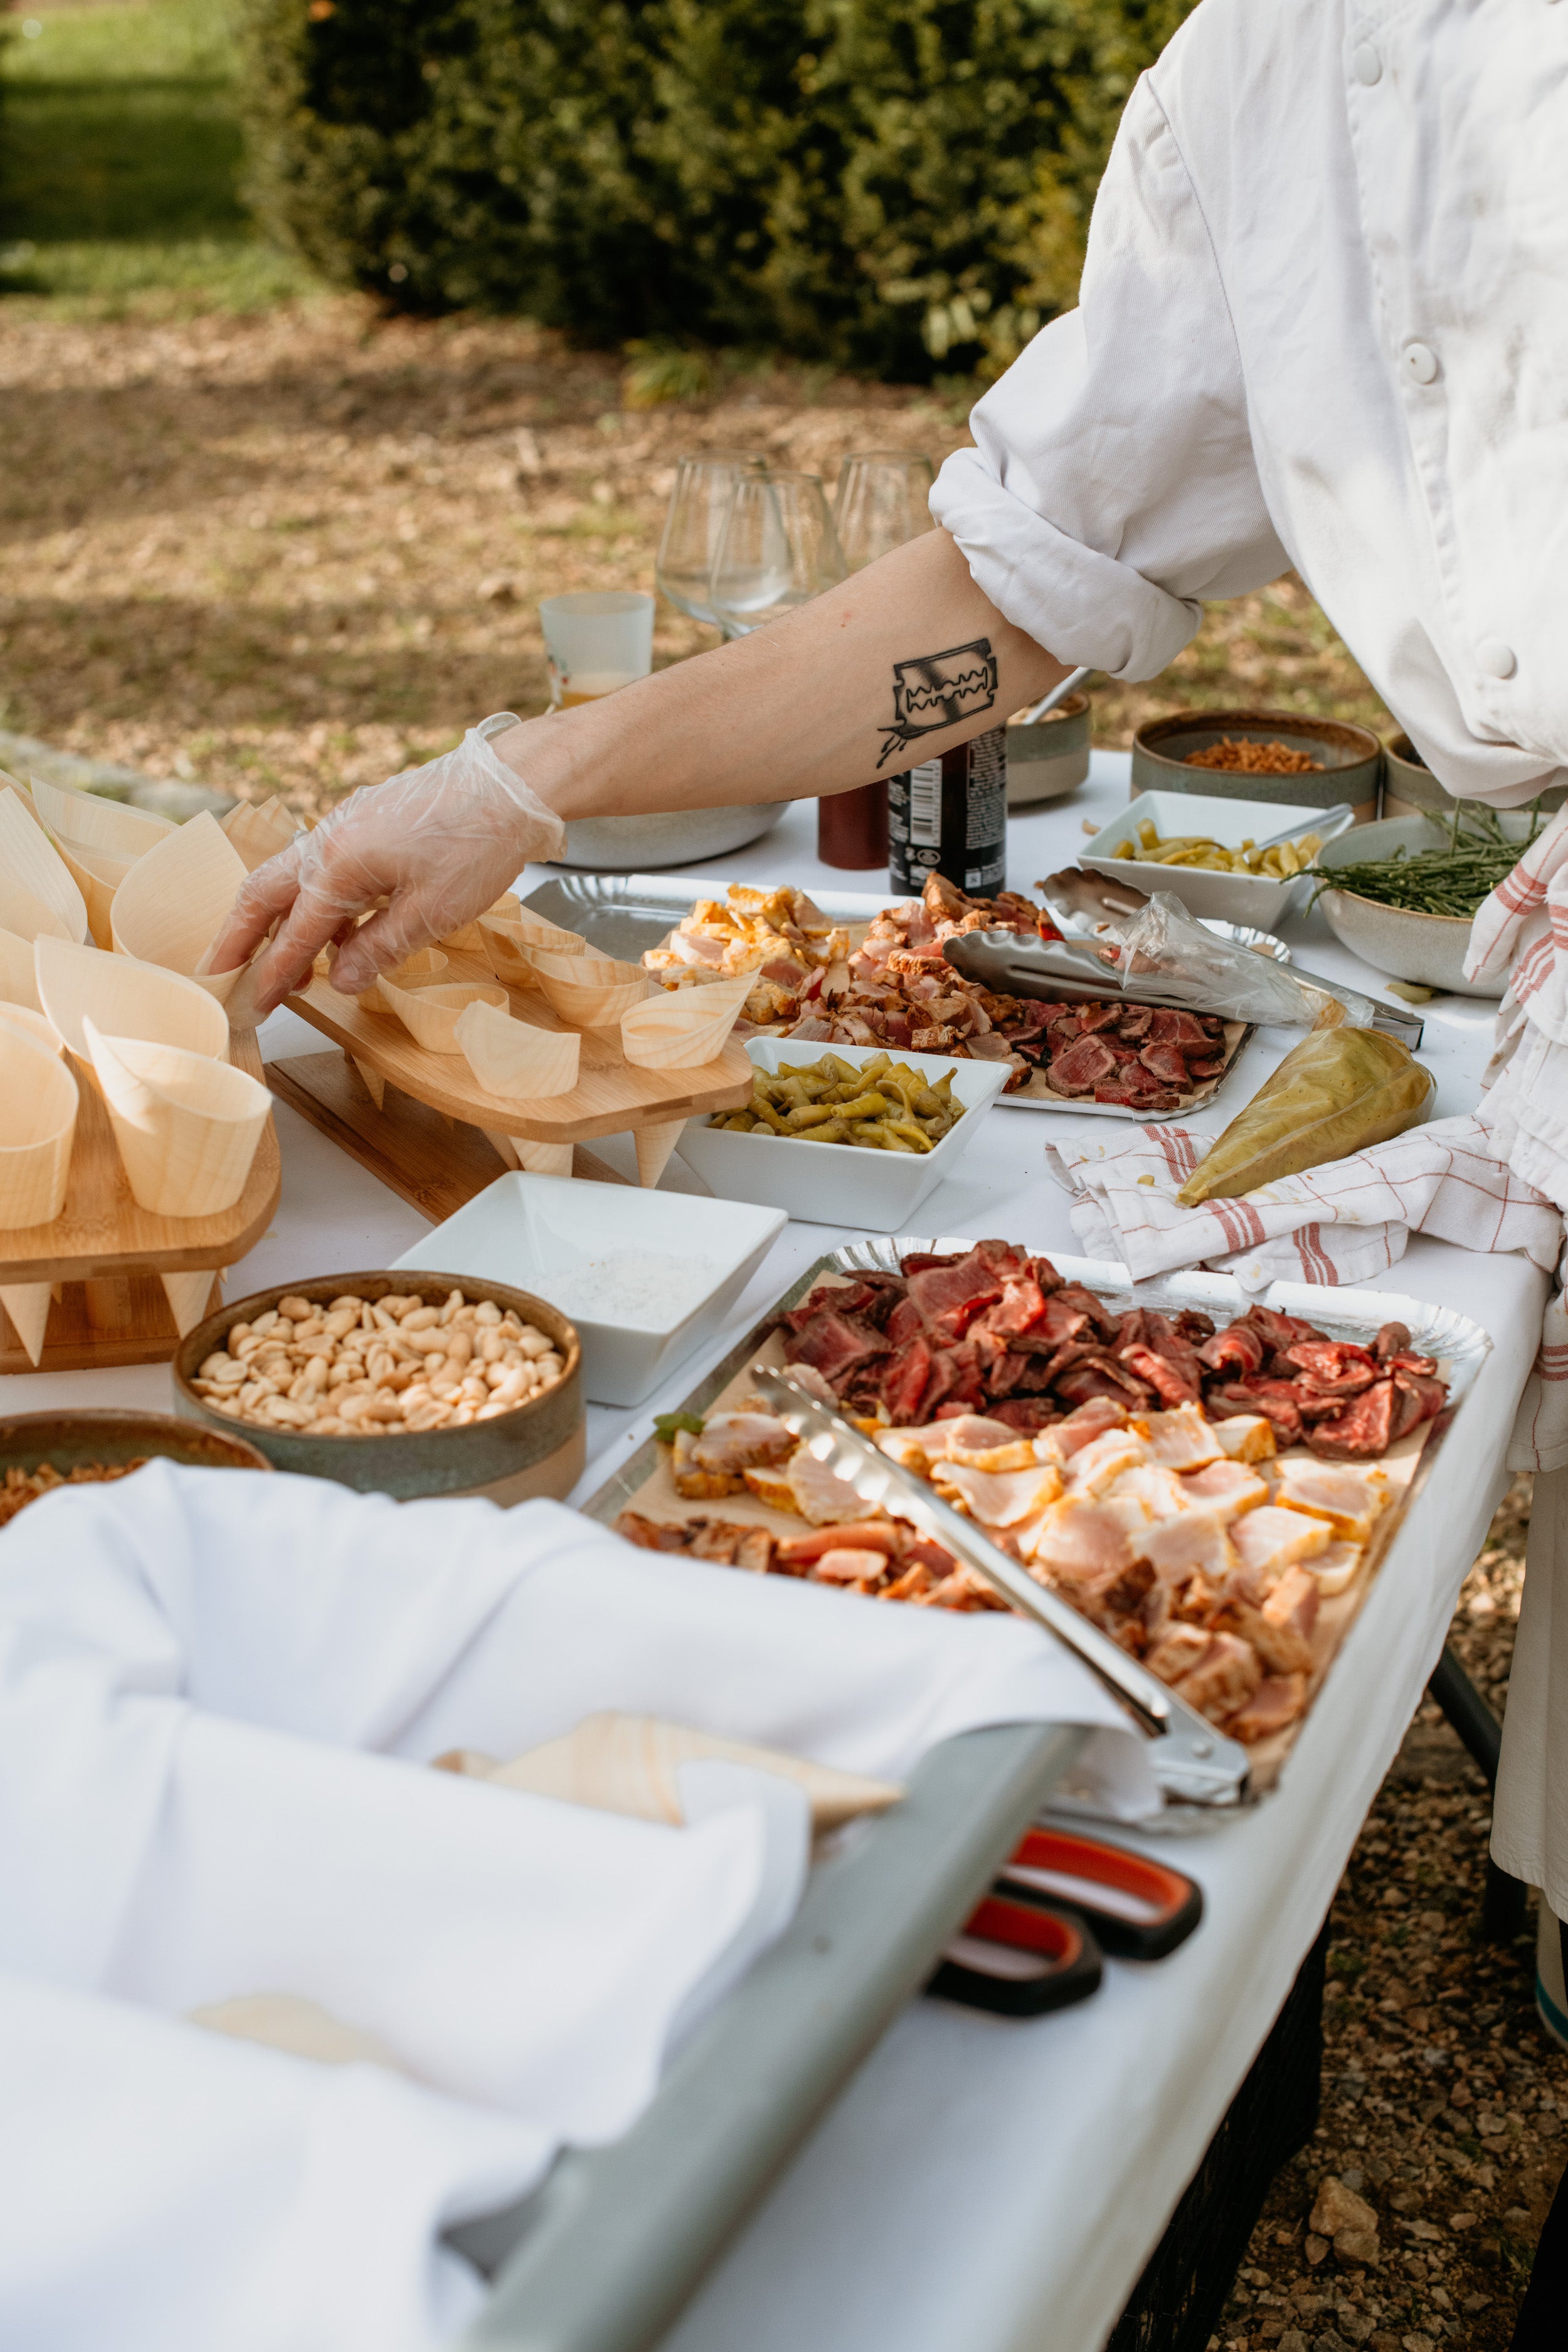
x,y
217,1693
1323,321
1345,1222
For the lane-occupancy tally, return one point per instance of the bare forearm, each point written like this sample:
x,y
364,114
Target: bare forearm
x,y
892,666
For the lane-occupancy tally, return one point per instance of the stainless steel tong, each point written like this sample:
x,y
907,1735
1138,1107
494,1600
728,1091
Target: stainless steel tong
x,y
1193,1762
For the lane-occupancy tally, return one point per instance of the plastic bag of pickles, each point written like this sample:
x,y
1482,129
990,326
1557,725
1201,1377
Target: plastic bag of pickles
x,y
1338,1092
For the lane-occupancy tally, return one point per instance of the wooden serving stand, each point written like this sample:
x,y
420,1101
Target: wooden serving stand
x,y
105,1258
424,1125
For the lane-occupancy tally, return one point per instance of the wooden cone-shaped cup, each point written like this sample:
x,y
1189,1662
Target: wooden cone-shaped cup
x,y
98,878
174,902
514,1060
257,831
104,828
18,980
629,1763
28,1304
431,1014
38,896
187,1126
38,1104
681,1028
125,998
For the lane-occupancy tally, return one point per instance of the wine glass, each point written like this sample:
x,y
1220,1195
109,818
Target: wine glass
x,y
704,484
777,549
882,500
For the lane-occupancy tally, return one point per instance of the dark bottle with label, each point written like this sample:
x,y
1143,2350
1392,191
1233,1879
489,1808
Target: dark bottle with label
x,y
949,817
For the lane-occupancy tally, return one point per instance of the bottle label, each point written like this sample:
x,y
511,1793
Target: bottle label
x,y
949,817
925,805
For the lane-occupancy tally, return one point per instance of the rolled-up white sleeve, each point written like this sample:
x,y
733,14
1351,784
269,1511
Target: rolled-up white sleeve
x,y
1114,485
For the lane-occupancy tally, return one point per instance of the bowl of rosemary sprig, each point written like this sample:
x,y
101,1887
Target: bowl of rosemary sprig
x,y
1402,894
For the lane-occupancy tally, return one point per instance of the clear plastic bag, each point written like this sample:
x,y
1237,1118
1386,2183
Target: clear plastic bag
x,y
1162,941
1336,1093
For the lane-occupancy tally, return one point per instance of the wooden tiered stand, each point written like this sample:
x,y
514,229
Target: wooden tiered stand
x,y
422,1124
126,1284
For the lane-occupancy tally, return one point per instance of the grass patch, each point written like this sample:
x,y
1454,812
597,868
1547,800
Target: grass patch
x,y
119,160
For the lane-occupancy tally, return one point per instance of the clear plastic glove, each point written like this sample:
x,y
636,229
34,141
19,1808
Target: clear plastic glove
x,y
441,843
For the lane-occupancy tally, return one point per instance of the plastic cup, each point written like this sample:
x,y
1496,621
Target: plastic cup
x,y
596,641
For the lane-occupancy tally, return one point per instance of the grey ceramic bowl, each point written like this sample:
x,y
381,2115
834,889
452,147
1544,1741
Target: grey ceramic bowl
x,y
1427,949
1409,787
1050,758
75,1434
1351,758
644,845
537,1449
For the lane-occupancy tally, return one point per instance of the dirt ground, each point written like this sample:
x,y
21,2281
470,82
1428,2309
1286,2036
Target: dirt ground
x,y
1445,2103
294,552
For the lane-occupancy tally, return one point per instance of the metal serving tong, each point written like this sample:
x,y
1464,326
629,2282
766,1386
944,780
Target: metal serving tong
x,y
1193,1762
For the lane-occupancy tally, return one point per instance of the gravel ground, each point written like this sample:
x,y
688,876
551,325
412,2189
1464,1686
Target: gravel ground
x,y
294,550
1445,2103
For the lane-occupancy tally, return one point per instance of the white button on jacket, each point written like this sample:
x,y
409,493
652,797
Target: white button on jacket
x,y
1238,390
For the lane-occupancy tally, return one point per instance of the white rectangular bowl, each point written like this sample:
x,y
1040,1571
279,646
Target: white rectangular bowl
x,y
533,1230
1224,898
836,1184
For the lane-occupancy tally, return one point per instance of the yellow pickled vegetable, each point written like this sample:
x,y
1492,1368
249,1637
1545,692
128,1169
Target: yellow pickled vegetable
x,y
1281,864
880,1105
1338,1092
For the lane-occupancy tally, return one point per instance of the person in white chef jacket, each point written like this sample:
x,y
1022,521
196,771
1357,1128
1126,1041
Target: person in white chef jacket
x,y
1323,322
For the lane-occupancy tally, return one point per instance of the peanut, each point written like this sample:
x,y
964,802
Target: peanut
x,y
358,1368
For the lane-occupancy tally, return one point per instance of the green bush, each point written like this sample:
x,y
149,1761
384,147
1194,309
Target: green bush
x,y
899,186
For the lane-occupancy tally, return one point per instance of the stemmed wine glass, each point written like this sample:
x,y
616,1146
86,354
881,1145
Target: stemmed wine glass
x,y
882,500
777,549
698,503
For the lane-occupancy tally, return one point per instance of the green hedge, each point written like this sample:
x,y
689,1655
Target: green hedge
x,y
899,186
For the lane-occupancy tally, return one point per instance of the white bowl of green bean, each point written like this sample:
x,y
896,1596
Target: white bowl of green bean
x,y
1411,887
842,1182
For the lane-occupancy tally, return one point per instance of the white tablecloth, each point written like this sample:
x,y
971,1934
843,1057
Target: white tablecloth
x,y
983,2182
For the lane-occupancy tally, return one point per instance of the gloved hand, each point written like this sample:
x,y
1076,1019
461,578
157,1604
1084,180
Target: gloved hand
x,y
442,841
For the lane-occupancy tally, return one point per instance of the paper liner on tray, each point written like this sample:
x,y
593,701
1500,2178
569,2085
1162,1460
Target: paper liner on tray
x,y
683,1028
174,902
628,1764
514,1060
187,1126
38,896
124,999
431,1013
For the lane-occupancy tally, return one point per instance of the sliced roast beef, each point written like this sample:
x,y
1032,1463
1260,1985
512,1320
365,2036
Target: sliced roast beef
x,y
1080,1066
1393,1340
905,1376
1092,1018
1135,1022
835,1345
1239,1348
1276,1399
1336,1368
1165,1063
1102,1318
1099,1374
1027,1413
1368,1425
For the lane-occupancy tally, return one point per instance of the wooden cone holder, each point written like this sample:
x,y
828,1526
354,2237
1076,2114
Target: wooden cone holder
x,y
124,1284
436,1137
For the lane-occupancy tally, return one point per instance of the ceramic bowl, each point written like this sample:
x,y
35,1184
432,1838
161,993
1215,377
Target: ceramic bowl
x,y
1351,758
646,843
1427,949
73,1435
1248,898
538,1448
835,1183
550,1236
1051,757
1410,789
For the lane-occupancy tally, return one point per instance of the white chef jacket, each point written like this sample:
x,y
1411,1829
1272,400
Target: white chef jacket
x,y
1323,322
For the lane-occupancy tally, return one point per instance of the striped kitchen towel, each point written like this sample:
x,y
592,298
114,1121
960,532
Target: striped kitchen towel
x,y
1340,1222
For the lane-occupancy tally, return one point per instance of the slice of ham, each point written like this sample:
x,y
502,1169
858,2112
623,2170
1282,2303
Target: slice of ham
x,y
1335,1568
1246,1437
1095,1469
1223,1678
1179,1440
820,1496
1086,1542
846,1565
1161,1491
1351,1500
743,1441
859,1535
1193,1540
1273,1705
1226,1488
1279,1627
997,1498
1269,1540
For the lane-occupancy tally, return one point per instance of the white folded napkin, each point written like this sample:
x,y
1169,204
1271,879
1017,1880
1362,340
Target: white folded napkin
x,y
1340,1222
218,1695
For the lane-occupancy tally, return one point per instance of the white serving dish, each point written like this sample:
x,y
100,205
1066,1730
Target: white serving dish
x,y
537,1232
835,1184
1228,898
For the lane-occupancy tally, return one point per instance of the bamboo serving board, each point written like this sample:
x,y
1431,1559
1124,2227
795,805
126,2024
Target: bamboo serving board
x,y
104,1255
612,1096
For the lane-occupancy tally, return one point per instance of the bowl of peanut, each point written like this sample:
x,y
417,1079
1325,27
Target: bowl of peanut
x,y
399,1383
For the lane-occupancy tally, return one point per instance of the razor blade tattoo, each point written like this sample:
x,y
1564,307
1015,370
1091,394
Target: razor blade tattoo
x,y
938,690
